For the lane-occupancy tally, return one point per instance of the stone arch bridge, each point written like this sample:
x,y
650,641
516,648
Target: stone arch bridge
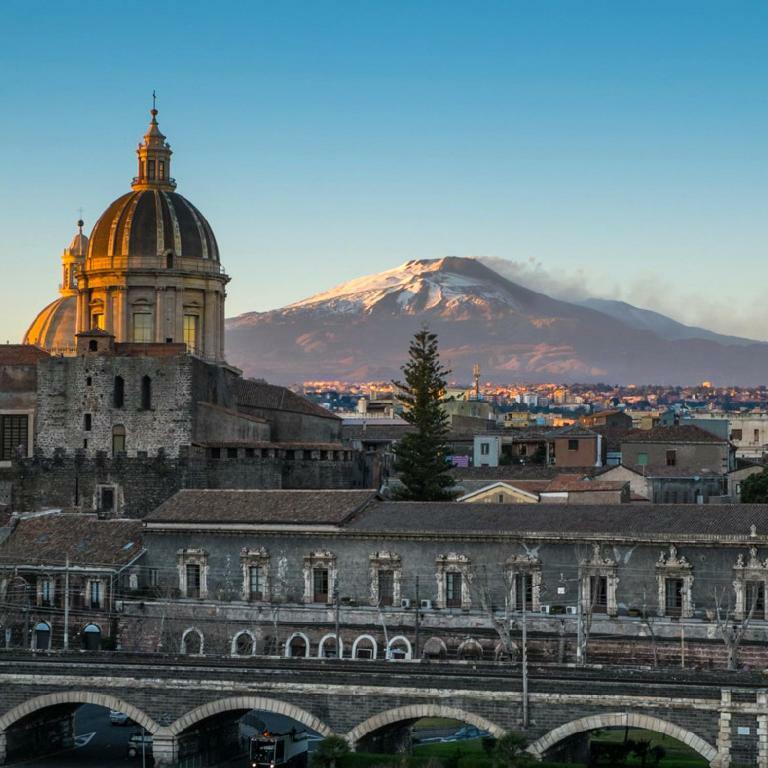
x,y
724,717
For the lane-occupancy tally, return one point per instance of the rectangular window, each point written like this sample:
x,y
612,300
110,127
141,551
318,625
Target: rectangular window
x,y
153,577
756,436
143,332
97,321
320,585
254,582
671,457
14,435
106,498
642,459
190,333
736,434
161,170
573,445
151,169
87,422
453,590
193,580
386,588
518,578
485,449
94,594
598,594
46,592
673,596
755,599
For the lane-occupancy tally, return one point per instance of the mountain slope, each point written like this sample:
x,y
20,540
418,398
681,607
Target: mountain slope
x,y
362,328
666,327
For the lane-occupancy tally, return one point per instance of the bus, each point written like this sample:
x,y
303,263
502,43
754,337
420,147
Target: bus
x,y
274,750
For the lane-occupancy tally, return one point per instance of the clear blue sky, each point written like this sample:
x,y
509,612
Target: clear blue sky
x,y
627,141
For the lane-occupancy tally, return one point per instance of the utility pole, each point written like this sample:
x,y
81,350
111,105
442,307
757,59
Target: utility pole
x,y
682,645
579,627
525,652
66,604
336,600
418,621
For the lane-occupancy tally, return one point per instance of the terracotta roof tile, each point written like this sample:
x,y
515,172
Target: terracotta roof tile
x,y
679,433
261,507
258,394
21,354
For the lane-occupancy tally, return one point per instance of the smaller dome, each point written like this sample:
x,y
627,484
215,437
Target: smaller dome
x,y
54,327
79,244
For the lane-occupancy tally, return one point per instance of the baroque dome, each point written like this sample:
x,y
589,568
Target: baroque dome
x,y
151,223
54,327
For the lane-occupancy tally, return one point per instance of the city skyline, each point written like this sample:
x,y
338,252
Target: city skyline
x,y
610,150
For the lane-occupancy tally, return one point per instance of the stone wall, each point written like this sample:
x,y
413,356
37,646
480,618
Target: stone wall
x,y
144,482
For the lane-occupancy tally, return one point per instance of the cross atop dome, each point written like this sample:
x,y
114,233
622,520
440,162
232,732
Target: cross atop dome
x,y
154,158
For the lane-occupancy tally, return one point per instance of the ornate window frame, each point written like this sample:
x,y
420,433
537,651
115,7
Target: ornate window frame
x,y
754,570
597,565
674,566
255,558
192,556
453,563
385,561
319,559
531,567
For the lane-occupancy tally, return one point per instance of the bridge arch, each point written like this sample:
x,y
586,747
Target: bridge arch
x,y
622,720
416,712
76,697
246,704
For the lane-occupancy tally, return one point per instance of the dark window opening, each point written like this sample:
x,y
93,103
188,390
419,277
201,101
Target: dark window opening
x,y
673,596
169,261
518,579
146,393
88,381
755,603
231,453
118,394
87,422
671,458
453,590
151,169
320,585
386,588
573,445
193,580
598,593
118,439
107,499
254,583
214,453
93,345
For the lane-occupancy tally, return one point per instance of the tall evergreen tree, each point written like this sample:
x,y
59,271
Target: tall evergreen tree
x,y
421,456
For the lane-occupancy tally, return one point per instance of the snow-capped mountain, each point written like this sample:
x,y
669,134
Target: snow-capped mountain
x,y
361,330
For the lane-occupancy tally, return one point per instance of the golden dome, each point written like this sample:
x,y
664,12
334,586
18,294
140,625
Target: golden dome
x,y
54,328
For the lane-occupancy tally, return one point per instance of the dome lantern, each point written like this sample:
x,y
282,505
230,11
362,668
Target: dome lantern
x,y
154,158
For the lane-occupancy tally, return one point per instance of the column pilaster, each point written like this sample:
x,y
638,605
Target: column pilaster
x,y
723,759
165,749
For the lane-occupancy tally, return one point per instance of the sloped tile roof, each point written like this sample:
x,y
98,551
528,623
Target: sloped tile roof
x,y
679,433
21,354
261,507
47,539
258,394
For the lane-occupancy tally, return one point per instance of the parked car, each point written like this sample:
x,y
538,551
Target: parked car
x,y
466,732
117,718
138,742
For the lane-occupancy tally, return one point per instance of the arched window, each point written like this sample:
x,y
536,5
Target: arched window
x,y
243,644
91,637
118,439
470,649
42,636
146,393
297,645
118,394
169,260
364,647
327,648
435,648
192,642
399,648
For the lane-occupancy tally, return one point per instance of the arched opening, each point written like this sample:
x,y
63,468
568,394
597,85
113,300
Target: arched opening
x,y
470,650
418,725
297,645
399,649
42,636
223,729
244,644
364,647
327,647
435,648
50,725
192,642
620,734
91,637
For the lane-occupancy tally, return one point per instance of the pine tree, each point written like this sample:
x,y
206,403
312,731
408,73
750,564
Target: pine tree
x,y
421,456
